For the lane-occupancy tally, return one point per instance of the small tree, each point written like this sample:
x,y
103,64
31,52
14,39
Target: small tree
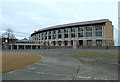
x,y
9,34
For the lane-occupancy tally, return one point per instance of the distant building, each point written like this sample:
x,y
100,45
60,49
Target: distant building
x,y
88,33
72,35
4,42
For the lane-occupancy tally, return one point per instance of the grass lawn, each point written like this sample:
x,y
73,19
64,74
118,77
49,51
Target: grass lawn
x,y
13,61
89,57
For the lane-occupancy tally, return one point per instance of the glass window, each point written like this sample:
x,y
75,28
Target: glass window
x,y
49,32
73,29
99,33
45,37
49,37
66,42
80,29
89,42
66,35
45,33
72,35
54,36
59,31
59,42
88,34
54,43
54,32
98,27
99,42
66,30
89,28
80,34
59,36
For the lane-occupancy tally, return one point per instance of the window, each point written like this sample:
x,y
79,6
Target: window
x,y
59,36
88,34
80,34
72,35
99,42
80,29
49,37
66,36
45,37
80,42
89,28
54,36
98,27
54,43
89,42
42,37
73,29
45,33
59,31
54,32
99,33
66,42
66,30
49,32
59,42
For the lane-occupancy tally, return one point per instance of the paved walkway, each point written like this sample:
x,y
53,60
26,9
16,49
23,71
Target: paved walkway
x,y
57,64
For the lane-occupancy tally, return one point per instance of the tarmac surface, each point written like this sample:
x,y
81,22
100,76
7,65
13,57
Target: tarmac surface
x,y
57,64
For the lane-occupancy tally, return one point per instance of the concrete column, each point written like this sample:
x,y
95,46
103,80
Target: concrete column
x,y
93,32
84,32
74,44
84,42
69,34
51,35
76,33
69,43
63,43
43,36
11,47
57,35
103,43
62,30
51,44
102,31
24,46
93,42
31,47
57,43
36,46
17,47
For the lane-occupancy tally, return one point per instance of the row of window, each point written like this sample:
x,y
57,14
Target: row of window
x,y
87,28
88,34
89,42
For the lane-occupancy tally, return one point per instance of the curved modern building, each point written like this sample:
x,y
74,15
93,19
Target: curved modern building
x,y
88,33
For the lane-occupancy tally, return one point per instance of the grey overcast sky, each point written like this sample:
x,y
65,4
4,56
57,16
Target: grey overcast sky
x,y
26,17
